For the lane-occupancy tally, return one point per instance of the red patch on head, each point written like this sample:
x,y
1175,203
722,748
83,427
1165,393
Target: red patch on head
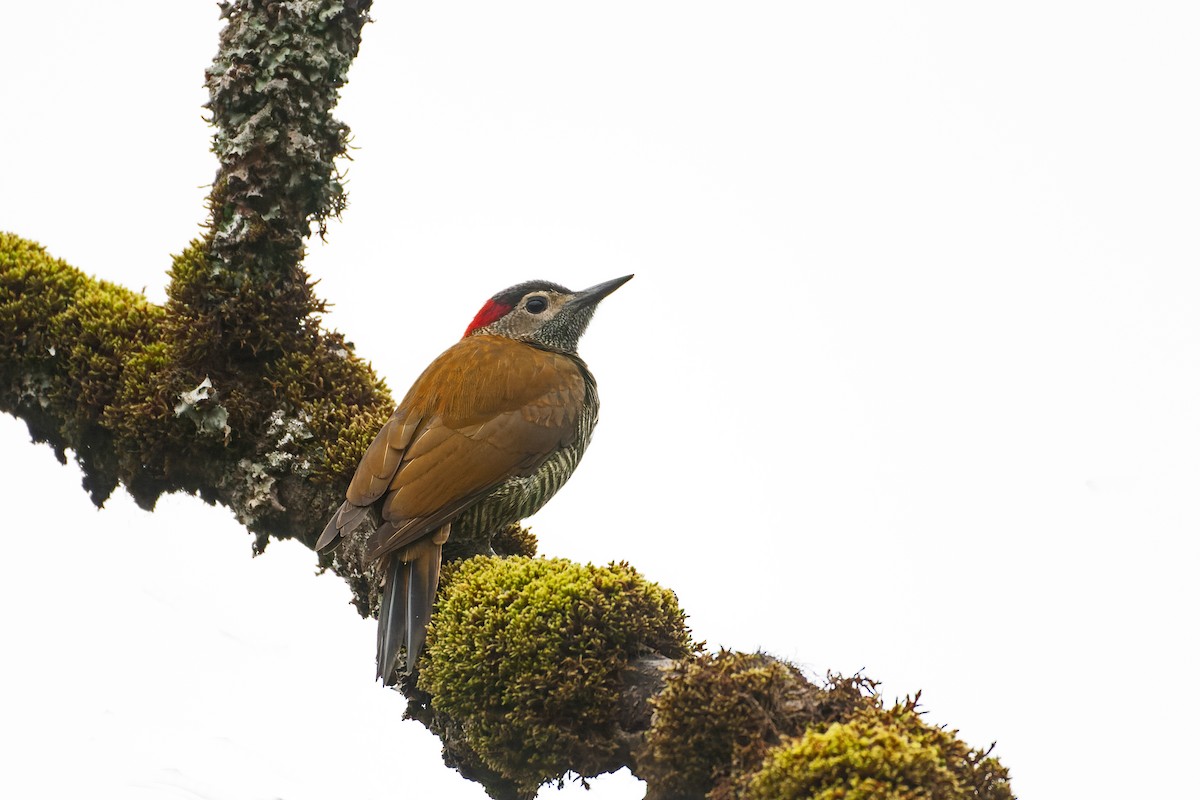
x,y
490,312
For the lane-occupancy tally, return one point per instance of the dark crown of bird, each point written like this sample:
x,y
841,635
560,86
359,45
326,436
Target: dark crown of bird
x,y
486,435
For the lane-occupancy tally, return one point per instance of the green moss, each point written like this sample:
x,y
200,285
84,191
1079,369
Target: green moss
x,y
33,287
515,540
59,320
65,339
854,761
720,712
977,773
96,369
230,321
347,432
264,351
525,658
343,401
878,755
143,424
101,329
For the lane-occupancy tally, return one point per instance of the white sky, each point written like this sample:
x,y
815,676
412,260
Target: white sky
x,y
906,382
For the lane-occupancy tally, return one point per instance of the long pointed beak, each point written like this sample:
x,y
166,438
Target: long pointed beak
x,y
594,294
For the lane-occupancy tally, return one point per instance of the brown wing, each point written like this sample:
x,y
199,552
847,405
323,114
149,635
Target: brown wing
x,y
486,410
375,472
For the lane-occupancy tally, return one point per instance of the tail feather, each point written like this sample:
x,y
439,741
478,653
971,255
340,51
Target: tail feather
x,y
393,622
407,605
422,589
344,521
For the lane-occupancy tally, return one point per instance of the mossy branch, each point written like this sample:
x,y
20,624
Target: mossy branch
x,y
536,669
232,391
540,668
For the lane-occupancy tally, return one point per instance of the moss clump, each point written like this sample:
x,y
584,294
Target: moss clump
x,y
55,319
143,405
97,369
277,359
65,339
344,403
525,658
515,540
232,321
878,755
720,712
857,760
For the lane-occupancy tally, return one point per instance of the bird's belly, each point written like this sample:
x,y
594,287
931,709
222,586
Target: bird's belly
x,y
514,500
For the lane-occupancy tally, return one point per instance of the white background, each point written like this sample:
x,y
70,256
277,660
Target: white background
x,y
906,382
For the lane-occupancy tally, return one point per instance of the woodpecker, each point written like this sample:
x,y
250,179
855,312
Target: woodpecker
x,y
487,434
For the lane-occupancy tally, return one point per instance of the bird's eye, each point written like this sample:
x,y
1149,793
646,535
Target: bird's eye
x,y
536,305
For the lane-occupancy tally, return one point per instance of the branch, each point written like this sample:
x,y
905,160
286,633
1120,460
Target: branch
x,y
536,669
232,391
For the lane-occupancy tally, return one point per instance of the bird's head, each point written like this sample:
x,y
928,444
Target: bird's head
x,y
542,313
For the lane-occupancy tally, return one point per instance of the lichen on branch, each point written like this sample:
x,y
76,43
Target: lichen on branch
x,y
272,89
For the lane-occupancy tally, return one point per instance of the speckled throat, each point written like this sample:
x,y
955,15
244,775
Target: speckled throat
x,y
520,497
